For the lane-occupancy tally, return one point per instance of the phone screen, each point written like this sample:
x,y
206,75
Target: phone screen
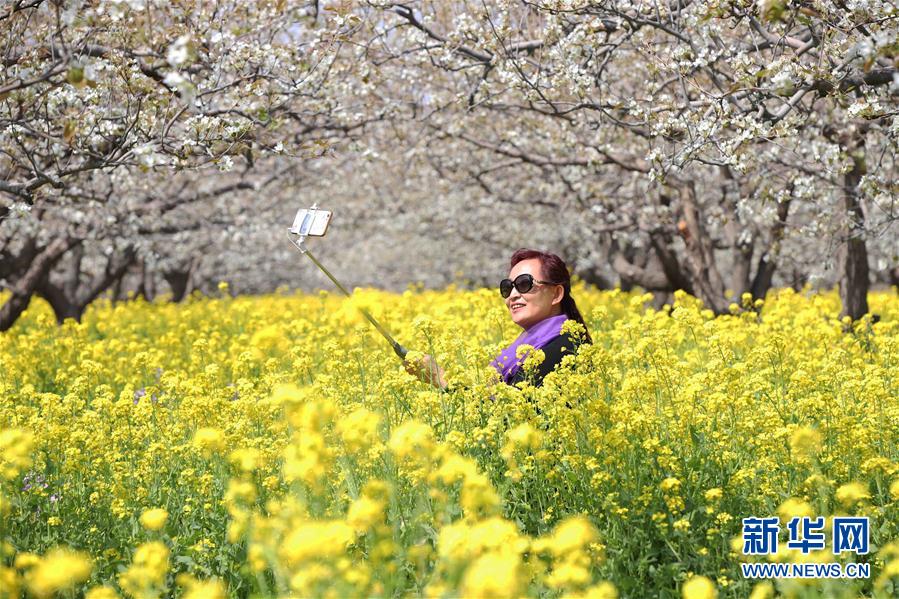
x,y
312,223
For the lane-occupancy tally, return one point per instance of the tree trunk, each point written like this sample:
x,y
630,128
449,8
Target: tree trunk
x,y
58,296
116,292
638,270
73,280
671,266
764,273
63,306
742,248
115,270
71,299
742,245
739,280
179,281
13,265
24,288
700,258
854,275
147,286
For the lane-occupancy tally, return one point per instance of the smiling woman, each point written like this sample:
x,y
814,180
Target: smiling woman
x,y
538,296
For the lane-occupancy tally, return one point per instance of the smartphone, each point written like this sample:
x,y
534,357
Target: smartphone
x,y
311,223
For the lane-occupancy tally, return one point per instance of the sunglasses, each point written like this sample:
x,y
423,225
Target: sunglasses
x,y
523,283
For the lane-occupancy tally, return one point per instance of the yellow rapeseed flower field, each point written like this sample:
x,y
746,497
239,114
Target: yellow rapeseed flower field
x,y
274,446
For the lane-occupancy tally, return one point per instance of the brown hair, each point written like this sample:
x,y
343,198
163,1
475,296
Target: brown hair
x,y
555,270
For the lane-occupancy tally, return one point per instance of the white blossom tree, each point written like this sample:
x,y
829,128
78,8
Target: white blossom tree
x,y
115,113
723,136
716,147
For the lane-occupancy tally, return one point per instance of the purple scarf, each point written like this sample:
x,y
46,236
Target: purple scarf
x,y
537,335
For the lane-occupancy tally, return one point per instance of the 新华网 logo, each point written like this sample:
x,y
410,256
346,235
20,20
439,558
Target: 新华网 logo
x,y
849,534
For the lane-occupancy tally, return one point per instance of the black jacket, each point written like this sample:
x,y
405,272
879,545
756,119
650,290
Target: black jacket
x,y
553,352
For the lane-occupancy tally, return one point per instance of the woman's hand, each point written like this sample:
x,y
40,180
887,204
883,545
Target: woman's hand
x,y
427,371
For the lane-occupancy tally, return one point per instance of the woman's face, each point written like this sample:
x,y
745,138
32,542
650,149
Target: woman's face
x,y
542,301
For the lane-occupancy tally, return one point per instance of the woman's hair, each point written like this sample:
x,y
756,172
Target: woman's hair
x,y
554,270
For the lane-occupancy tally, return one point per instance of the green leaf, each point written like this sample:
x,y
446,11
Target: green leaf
x,y
186,560
75,76
68,132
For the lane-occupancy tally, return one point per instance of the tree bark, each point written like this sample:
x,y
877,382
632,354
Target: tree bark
x,y
63,307
638,270
592,276
854,275
700,256
73,281
180,280
740,277
72,298
671,266
12,265
764,274
742,246
25,287
147,287
114,271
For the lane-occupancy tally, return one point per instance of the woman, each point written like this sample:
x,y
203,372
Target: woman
x,y
538,296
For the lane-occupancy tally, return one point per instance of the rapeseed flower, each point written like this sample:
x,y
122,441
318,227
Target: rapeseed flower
x,y
16,446
494,574
154,519
209,440
359,429
464,541
246,459
762,590
412,439
794,507
102,592
699,587
313,539
601,590
10,582
851,493
673,425
670,484
148,570
200,589
713,495
572,533
365,513
58,571
805,443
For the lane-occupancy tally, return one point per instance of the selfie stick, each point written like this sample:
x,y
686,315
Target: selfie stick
x,y
298,242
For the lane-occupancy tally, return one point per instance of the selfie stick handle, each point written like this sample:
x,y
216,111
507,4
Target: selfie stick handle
x,y
397,348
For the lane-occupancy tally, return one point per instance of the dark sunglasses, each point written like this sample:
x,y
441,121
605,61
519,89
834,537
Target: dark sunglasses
x,y
523,283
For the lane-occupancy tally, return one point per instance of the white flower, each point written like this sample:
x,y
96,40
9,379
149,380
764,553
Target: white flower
x,y
859,107
226,164
147,155
173,79
783,80
179,51
19,209
864,49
